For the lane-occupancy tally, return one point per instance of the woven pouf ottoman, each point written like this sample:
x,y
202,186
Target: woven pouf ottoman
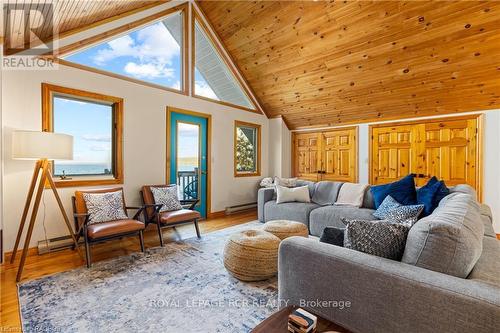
x,y
252,255
284,228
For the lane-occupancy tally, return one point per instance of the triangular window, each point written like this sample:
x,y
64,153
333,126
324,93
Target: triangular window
x,y
152,53
212,78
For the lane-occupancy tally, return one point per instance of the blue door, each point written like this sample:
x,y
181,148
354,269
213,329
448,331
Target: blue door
x,y
188,157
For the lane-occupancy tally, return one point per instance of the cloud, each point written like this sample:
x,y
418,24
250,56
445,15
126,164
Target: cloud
x,y
97,137
150,71
153,48
203,89
101,147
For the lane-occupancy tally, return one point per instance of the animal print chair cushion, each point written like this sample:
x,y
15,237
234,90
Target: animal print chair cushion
x,y
104,207
167,197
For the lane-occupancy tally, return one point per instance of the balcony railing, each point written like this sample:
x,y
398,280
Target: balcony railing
x,y
188,184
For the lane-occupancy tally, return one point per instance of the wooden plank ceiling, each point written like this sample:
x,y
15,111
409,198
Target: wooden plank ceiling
x,y
330,63
69,16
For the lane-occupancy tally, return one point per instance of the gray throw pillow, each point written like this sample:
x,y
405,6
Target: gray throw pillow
x,y
380,238
405,214
167,197
104,207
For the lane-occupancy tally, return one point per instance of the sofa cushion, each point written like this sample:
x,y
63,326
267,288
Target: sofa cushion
x,y
380,238
450,239
326,192
464,188
295,194
431,194
368,201
487,218
402,190
293,211
333,235
487,267
331,216
311,185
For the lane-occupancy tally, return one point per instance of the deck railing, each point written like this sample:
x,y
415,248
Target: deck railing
x,y
188,184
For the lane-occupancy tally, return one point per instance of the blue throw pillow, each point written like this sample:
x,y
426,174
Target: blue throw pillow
x,y
403,191
430,194
385,207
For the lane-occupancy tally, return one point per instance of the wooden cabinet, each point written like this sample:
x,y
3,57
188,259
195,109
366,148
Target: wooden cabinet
x,y
447,148
327,155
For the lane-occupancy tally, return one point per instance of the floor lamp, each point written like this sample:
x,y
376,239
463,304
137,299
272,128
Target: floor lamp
x,y
42,147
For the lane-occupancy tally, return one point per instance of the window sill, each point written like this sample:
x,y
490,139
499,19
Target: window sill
x,y
83,181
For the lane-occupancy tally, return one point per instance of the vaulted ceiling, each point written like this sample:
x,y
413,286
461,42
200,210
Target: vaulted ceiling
x,y
63,17
328,63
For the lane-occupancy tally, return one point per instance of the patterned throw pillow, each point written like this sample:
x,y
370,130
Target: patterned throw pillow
x,y
104,207
405,214
166,196
379,238
387,205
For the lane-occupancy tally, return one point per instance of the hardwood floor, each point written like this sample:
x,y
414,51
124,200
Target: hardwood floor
x,y
37,266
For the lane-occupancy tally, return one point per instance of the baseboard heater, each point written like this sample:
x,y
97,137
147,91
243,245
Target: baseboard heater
x,y
56,244
240,208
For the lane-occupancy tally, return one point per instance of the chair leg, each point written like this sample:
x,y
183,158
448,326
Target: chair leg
x,y
197,228
141,240
88,255
159,233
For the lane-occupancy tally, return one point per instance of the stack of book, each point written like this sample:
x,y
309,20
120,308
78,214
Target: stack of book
x,y
301,321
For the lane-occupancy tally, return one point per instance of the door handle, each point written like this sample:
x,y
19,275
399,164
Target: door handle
x,y
203,172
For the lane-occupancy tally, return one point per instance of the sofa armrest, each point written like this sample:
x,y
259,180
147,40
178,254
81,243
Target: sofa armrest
x,y
264,195
383,295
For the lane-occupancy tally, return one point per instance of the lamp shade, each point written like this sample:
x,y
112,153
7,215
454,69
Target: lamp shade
x,y
33,145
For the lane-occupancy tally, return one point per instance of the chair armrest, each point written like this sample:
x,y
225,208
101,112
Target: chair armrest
x,y
189,204
384,295
140,209
263,195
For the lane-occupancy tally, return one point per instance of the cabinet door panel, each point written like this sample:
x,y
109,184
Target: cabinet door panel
x,y
339,155
393,155
306,147
445,148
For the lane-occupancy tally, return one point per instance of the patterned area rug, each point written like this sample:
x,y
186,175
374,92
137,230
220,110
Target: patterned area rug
x,y
182,287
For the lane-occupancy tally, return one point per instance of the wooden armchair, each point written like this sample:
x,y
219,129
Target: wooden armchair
x,y
103,231
168,219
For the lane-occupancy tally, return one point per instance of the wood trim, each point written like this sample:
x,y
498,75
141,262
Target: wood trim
x,y
48,91
116,76
426,120
498,236
238,123
479,156
116,31
207,116
197,15
215,215
356,156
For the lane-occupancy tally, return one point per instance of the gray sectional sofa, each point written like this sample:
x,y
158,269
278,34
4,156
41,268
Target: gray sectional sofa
x,y
447,281
319,213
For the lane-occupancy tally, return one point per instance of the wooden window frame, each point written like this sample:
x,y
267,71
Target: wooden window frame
x,y
48,92
141,23
258,127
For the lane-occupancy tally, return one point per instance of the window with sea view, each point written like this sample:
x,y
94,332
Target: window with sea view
x,y
96,123
90,124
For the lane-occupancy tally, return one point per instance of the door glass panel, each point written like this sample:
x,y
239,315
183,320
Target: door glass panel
x,y
188,160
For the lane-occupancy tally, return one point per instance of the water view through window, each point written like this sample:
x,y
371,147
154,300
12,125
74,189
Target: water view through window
x,y
90,124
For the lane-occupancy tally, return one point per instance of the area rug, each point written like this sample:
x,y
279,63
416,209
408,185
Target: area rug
x,y
182,287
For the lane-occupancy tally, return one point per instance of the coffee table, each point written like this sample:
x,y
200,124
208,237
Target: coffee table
x,y
278,323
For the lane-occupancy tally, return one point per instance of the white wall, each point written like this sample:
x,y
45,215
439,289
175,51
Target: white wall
x,y
279,148
144,142
491,162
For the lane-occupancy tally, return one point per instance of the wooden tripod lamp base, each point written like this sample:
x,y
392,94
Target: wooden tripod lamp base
x,y
41,146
